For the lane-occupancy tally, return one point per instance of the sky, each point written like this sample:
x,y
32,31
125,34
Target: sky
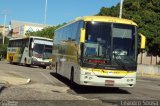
x,y
58,11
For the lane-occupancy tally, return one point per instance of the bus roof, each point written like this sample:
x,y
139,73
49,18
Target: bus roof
x,y
103,19
37,37
107,19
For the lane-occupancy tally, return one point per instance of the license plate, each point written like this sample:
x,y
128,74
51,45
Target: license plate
x,y
109,82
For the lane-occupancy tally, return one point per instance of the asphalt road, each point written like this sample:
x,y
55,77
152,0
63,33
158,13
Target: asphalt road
x,y
43,80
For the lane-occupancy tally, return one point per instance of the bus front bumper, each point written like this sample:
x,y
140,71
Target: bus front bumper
x,y
40,63
94,80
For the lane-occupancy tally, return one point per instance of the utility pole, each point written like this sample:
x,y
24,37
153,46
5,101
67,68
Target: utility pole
x,y
121,7
4,25
45,13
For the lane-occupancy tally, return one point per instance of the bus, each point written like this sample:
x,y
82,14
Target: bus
x,y
97,51
32,50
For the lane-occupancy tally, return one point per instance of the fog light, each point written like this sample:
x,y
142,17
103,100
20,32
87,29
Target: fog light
x,y
90,78
85,77
128,80
131,79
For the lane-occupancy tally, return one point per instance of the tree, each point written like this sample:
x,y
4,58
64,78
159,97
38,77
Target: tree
x,y
46,32
3,47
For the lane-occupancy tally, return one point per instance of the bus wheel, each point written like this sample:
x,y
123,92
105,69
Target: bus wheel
x,y
72,78
56,67
25,63
44,67
11,60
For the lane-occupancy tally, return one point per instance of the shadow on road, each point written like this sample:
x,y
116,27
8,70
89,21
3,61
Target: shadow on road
x,y
22,65
88,89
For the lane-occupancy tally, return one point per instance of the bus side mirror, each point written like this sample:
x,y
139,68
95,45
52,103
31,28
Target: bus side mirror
x,y
143,41
82,35
32,45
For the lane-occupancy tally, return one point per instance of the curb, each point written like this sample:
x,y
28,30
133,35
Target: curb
x,y
1,88
3,84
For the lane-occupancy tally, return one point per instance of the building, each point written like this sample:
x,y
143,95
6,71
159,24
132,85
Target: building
x,y
20,28
2,28
3,32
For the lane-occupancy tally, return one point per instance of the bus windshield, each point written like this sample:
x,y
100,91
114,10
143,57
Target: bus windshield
x,y
124,44
98,36
110,41
47,52
42,51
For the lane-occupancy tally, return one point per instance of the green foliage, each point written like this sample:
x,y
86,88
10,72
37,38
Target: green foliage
x,y
46,32
146,13
3,48
3,51
0,34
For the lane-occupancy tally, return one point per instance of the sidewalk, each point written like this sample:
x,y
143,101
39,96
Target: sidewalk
x,y
151,77
7,79
34,92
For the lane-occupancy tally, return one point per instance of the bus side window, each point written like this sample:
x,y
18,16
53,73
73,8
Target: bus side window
x,y
9,45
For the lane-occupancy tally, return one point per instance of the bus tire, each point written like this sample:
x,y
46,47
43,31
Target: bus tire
x,y
72,84
44,67
25,63
11,60
56,68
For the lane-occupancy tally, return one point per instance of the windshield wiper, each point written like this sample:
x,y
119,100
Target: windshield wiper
x,y
126,62
119,61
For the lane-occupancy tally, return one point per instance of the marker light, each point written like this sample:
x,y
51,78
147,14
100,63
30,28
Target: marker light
x,y
97,61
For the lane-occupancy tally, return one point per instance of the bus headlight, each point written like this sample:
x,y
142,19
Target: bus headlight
x,y
90,78
34,59
85,77
130,80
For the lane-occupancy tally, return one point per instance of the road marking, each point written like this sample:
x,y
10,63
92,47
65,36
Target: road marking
x,y
47,78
